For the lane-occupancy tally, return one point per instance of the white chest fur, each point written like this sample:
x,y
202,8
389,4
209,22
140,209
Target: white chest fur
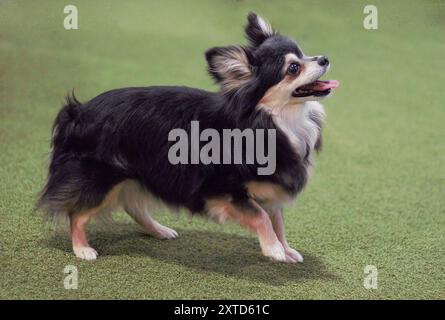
x,y
301,123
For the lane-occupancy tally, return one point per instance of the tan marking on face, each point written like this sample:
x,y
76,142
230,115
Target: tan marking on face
x,y
280,94
277,95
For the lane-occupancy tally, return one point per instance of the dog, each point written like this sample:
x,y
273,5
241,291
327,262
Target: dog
x,y
112,151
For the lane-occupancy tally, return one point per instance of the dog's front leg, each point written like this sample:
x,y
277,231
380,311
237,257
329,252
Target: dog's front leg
x,y
252,216
261,224
276,216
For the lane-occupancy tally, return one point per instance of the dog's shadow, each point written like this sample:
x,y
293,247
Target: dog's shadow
x,y
228,254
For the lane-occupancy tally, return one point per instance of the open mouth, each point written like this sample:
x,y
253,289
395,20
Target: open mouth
x,y
318,88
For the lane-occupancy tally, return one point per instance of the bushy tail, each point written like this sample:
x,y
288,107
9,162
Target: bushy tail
x,y
54,198
64,122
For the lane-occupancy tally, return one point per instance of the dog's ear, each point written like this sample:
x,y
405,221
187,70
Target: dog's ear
x,y
231,67
257,30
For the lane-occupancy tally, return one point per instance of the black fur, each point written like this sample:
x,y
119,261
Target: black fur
x,y
123,134
254,34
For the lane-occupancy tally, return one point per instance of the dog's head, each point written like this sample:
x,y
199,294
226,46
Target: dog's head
x,y
274,64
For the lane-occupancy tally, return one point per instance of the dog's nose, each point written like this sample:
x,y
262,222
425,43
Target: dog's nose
x,y
323,61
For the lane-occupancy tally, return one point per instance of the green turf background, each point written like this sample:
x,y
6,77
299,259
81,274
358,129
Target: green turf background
x,y
376,198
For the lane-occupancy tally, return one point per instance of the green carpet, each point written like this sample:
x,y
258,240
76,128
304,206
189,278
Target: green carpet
x,y
376,198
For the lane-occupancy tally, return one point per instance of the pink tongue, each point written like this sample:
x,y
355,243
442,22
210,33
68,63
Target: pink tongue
x,y
322,85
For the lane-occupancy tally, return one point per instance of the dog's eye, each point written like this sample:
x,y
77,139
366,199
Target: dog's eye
x,y
294,68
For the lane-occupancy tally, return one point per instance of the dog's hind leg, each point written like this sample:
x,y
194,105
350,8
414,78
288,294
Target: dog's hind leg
x,y
150,225
78,222
78,190
137,203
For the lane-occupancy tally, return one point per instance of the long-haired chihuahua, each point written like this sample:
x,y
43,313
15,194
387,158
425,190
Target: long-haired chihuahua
x,y
115,150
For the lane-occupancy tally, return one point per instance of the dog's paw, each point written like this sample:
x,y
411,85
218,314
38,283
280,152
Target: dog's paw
x,y
164,233
86,253
292,255
275,252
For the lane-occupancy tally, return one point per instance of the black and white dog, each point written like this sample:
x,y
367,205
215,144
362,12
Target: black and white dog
x,y
112,152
